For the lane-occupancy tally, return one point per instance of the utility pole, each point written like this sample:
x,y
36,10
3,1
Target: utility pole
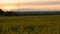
x,y
18,6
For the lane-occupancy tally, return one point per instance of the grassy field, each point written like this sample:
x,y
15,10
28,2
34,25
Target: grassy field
x,y
47,24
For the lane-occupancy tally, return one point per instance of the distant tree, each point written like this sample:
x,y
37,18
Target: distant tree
x,y
1,12
11,13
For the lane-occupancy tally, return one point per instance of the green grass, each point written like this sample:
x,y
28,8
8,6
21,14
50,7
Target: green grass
x,y
52,21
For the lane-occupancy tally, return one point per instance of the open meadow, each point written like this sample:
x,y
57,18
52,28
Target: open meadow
x,y
44,24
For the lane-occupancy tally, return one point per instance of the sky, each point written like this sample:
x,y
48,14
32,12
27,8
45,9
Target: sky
x,y
30,4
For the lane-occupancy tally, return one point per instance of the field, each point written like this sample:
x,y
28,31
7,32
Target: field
x,y
46,24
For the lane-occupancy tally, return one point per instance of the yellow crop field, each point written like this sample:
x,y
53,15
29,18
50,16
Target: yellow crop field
x,y
46,24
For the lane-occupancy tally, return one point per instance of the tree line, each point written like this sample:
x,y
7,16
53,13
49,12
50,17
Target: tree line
x,y
7,13
28,13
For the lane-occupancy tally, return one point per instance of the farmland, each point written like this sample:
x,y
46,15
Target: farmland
x,y
46,24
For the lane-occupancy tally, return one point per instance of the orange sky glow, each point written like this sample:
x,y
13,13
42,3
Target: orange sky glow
x,y
30,4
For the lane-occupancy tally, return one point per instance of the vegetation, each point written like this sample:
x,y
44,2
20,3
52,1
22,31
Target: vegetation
x,y
1,29
15,23
30,24
29,29
14,28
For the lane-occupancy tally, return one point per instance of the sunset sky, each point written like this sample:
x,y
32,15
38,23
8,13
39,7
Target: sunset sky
x,y
30,4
